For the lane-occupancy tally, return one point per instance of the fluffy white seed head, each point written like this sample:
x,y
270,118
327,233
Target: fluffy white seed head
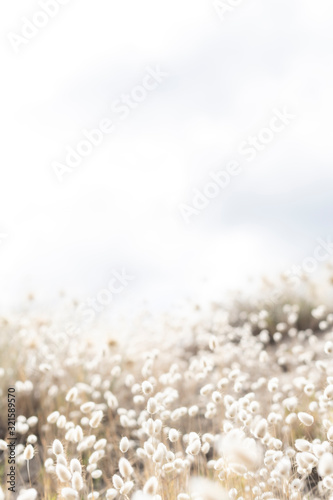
x,y
96,474
305,418
329,392
61,459
330,434
152,406
147,388
29,452
128,486
96,456
328,347
71,395
69,494
124,444
87,407
96,419
125,468
117,481
194,447
302,445
111,494
57,447
77,481
151,486
53,417
193,411
173,435
3,445
261,428
78,434
100,444
325,465
63,473
93,495
61,422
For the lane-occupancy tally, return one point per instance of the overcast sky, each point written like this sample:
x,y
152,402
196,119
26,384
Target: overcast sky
x,y
120,208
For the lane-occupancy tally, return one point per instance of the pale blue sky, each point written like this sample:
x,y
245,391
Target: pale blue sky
x,y
120,207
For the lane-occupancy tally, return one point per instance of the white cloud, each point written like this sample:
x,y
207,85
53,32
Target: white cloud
x,y
120,207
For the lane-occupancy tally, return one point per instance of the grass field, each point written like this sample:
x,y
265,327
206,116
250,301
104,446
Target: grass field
x,y
214,404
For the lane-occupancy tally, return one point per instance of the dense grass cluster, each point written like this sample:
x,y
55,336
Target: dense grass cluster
x,y
210,406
